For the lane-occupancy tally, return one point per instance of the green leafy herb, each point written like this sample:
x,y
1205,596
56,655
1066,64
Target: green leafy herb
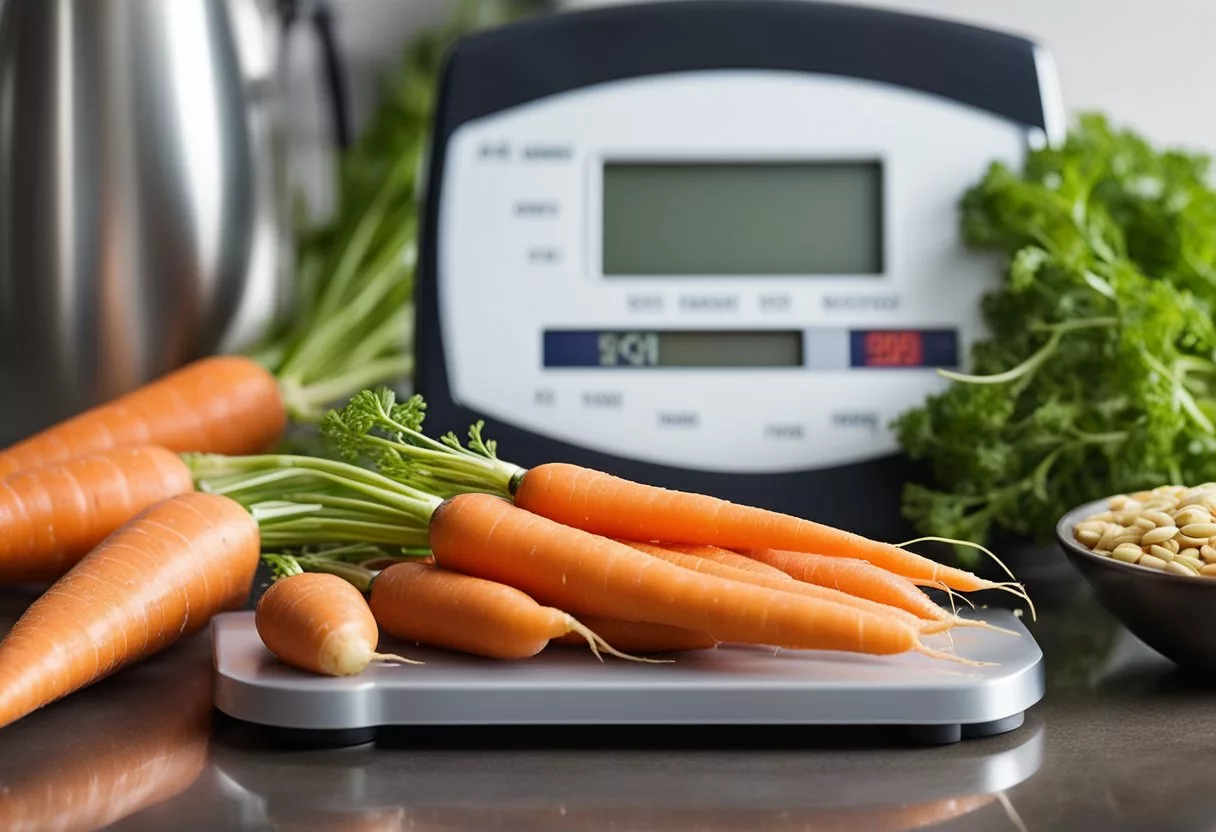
x,y
1099,372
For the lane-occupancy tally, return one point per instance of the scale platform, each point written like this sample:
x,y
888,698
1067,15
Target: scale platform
x,y
921,699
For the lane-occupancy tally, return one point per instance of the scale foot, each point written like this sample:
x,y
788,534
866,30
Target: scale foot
x,y
274,735
991,729
949,734
933,734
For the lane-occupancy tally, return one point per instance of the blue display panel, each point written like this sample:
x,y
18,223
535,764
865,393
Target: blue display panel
x,y
816,349
673,348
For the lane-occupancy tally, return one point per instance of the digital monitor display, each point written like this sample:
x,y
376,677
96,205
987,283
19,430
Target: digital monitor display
x,y
672,348
820,349
753,218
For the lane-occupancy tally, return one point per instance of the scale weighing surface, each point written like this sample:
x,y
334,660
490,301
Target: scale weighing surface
x,y
923,700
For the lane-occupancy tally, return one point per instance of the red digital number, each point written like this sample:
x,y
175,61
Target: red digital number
x,y
894,349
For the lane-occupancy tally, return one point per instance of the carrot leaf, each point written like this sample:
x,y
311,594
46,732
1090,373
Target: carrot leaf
x,y
486,448
374,428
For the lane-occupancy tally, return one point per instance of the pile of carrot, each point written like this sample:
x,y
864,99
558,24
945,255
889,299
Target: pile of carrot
x,y
147,545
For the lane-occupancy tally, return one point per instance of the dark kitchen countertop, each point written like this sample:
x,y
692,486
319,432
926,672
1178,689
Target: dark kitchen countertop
x,y
1122,741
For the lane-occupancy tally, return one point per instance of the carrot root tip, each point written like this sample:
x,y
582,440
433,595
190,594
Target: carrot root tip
x,y
984,625
394,658
1018,591
951,657
954,542
598,644
1012,578
952,594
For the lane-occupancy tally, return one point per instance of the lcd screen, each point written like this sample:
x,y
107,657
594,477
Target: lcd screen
x,y
669,219
672,348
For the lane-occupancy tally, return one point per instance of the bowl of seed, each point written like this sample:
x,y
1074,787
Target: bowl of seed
x,y
1150,558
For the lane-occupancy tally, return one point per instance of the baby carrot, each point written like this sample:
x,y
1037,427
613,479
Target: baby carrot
x,y
485,536
428,605
224,404
158,578
319,623
51,517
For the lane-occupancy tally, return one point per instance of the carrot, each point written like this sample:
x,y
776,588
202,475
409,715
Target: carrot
x,y
585,816
126,750
320,623
854,577
785,584
224,404
51,517
606,505
485,536
639,636
726,558
428,605
158,578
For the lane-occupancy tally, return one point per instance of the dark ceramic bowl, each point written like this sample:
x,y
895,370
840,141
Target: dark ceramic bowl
x,y
1167,612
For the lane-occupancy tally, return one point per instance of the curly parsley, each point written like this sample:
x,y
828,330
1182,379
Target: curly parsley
x,y
1098,374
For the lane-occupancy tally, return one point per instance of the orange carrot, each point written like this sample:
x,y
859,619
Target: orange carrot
x,y
727,558
224,405
428,605
485,536
606,505
854,577
320,623
712,816
639,637
158,578
89,767
51,517
784,584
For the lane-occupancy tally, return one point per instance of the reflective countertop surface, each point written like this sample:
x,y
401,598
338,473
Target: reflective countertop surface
x,y
1121,741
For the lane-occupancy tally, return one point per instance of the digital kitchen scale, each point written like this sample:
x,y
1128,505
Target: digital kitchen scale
x,y
918,698
714,245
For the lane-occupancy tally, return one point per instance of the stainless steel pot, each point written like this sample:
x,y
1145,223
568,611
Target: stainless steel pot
x,y
141,215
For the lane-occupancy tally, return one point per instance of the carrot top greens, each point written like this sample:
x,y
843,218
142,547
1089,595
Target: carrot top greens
x,y
374,427
303,501
385,493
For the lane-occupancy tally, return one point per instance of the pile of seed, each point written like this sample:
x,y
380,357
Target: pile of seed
x,y
1170,528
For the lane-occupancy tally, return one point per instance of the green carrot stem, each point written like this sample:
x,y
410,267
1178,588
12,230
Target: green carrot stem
x,y
359,577
309,401
362,509
207,467
325,341
306,531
